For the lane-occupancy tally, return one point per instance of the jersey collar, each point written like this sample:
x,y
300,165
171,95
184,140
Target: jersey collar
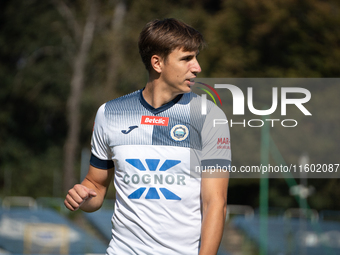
x,y
159,109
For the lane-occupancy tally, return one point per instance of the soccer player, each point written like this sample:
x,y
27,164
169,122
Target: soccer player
x,y
151,142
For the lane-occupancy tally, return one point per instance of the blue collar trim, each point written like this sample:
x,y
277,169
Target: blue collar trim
x,y
159,109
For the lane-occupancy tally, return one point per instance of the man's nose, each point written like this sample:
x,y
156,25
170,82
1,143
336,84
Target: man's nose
x,y
196,68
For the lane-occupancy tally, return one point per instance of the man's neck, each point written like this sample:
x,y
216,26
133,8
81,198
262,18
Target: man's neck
x,y
157,94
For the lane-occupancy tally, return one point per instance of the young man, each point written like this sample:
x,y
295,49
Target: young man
x,y
150,141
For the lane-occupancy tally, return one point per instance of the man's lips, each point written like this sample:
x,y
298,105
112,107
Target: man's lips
x,y
191,82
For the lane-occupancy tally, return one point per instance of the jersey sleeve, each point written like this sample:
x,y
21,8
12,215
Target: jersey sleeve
x,y
216,150
101,156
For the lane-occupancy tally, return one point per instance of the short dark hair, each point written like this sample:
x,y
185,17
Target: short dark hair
x,y
161,37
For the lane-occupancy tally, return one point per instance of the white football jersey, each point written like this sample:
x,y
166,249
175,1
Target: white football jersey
x,y
155,153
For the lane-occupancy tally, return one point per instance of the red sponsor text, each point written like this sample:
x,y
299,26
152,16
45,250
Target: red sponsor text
x,y
223,143
155,120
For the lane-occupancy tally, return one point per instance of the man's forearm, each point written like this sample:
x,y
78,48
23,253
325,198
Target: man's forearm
x,y
212,227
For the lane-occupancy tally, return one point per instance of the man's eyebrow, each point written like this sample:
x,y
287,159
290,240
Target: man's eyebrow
x,y
190,55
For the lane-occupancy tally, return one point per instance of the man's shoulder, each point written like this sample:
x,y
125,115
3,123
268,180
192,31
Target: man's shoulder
x,y
123,103
197,103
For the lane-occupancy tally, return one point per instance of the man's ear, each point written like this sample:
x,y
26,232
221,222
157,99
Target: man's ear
x,y
157,63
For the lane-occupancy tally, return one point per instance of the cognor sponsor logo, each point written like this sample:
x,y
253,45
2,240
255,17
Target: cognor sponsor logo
x,y
155,120
151,178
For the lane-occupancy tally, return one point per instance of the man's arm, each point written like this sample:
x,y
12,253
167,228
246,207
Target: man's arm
x,y
90,194
214,201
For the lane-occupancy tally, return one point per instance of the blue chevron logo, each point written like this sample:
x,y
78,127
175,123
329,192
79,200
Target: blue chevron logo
x,y
153,165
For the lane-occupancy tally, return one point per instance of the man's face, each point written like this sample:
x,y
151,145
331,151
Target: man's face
x,y
178,70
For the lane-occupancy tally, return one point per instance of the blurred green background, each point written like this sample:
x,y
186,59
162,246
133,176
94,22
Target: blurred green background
x,y
60,60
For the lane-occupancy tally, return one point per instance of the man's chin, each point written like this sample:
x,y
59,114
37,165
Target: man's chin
x,y
189,88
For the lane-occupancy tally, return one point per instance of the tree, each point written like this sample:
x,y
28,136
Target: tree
x,y
82,40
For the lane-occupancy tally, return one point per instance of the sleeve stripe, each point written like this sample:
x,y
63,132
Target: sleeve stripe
x,y
216,162
100,163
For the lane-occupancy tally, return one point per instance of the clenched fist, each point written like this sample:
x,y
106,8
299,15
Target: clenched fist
x,y
77,196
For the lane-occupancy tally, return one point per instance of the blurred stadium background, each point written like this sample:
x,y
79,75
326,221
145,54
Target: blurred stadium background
x,y
60,60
